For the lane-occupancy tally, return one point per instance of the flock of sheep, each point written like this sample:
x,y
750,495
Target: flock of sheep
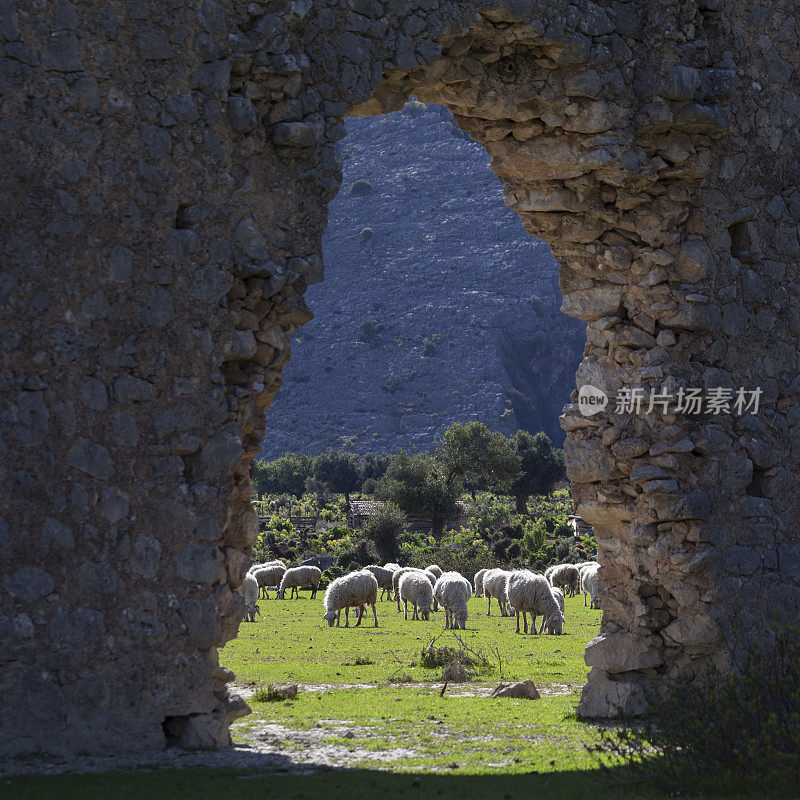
x,y
516,591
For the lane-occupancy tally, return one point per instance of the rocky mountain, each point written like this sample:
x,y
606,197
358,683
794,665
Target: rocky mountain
x,y
437,305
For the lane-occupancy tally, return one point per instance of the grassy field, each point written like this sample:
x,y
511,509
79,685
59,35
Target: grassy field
x,y
369,719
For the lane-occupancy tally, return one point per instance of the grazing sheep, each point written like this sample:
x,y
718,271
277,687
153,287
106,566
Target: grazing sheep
x,y
249,592
478,580
494,585
589,584
270,575
417,590
531,593
392,566
256,567
396,581
436,570
432,577
566,577
453,590
559,596
356,589
295,577
384,578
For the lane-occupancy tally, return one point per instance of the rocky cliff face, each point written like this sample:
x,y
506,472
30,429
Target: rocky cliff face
x,y
437,306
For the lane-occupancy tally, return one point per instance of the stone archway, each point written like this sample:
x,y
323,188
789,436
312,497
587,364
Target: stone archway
x,y
166,220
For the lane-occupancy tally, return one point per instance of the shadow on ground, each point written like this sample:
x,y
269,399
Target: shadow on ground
x,y
327,784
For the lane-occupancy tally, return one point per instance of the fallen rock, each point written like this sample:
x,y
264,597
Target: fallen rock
x,y
524,689
454,672
288,692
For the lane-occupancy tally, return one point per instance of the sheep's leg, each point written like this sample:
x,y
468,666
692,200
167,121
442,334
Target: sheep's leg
x,y
517,621
405,609
375,614
360,614
347,616
489,610
544,622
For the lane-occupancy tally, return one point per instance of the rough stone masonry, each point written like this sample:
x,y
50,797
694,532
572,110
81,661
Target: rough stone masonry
x,y
166,170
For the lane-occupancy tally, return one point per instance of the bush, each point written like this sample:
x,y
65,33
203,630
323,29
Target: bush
x,y
385,529
358,557
361,188
370,330
737,732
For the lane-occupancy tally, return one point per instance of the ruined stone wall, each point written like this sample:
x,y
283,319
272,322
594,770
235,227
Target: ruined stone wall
x,y
168,166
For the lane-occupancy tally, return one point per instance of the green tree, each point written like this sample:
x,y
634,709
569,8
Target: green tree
x,y
385,529
542,467
481,458
339,470
418,486
373,466
488,515
533,539
284,475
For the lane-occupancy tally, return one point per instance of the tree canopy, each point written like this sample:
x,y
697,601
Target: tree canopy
x,y
284,475
542,467
339,470
417,484
481,458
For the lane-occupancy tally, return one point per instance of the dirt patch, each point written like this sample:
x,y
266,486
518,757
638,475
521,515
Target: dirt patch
x,y
453,690
312,746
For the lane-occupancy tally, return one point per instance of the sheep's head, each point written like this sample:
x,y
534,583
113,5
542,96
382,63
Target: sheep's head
x,y
330,618
555,623
280,594
460,619
426,612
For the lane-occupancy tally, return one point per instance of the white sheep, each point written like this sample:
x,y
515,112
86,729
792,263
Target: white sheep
x,y
494,585
275,563
590,578
249,592
453,591
270,575
417,590
396,581
531,593
384,578
356,589
566,577
295,577
559,596
392,566
478,581
436,570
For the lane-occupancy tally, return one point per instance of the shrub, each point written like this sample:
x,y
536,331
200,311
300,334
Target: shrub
x,y
268,694
414,107
358,556
361,188
385,529
736,732
366,236
370,330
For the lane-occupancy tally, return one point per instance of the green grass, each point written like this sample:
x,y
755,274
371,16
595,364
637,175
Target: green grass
x,y
454,733
290,642
396,739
